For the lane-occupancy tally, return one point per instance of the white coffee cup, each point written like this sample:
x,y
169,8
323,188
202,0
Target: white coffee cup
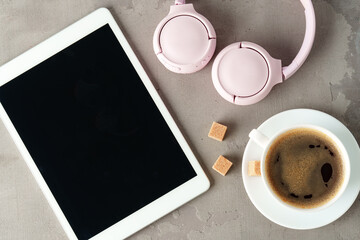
x,y
266,142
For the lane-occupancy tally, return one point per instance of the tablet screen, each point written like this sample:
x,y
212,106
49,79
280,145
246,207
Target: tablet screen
x,y
95,133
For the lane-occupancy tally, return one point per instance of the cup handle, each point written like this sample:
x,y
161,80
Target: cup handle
x,y
259,138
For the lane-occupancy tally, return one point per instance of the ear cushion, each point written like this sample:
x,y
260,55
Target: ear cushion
x,y
184,41
244,73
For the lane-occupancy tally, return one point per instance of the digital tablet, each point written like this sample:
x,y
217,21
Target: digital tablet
x,y
94,132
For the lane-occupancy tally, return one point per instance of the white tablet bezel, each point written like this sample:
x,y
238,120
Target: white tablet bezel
x,y
55,44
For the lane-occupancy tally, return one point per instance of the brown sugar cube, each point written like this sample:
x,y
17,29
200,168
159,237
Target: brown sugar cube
x,y
217,131
254,168
222,165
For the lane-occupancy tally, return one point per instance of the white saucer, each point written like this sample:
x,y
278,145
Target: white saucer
x,y
286,217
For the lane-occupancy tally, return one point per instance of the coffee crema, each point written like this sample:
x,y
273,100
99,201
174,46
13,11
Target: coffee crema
x,y
304,168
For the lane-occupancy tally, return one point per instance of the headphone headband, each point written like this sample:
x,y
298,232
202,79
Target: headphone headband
x,y
179,2
308,41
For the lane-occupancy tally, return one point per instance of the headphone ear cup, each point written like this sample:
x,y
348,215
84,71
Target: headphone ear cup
x,y
244,73
184,41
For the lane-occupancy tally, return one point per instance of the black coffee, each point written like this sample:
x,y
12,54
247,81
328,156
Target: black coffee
x,y
304,168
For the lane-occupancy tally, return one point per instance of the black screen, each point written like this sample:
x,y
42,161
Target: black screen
x,y
95,133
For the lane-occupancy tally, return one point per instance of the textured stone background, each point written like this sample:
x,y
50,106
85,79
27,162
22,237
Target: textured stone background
x,y
329,81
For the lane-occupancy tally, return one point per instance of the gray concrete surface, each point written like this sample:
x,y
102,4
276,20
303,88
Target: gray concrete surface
x,y
329,81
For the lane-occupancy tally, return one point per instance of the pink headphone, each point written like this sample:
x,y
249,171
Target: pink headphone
x,y
243,73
